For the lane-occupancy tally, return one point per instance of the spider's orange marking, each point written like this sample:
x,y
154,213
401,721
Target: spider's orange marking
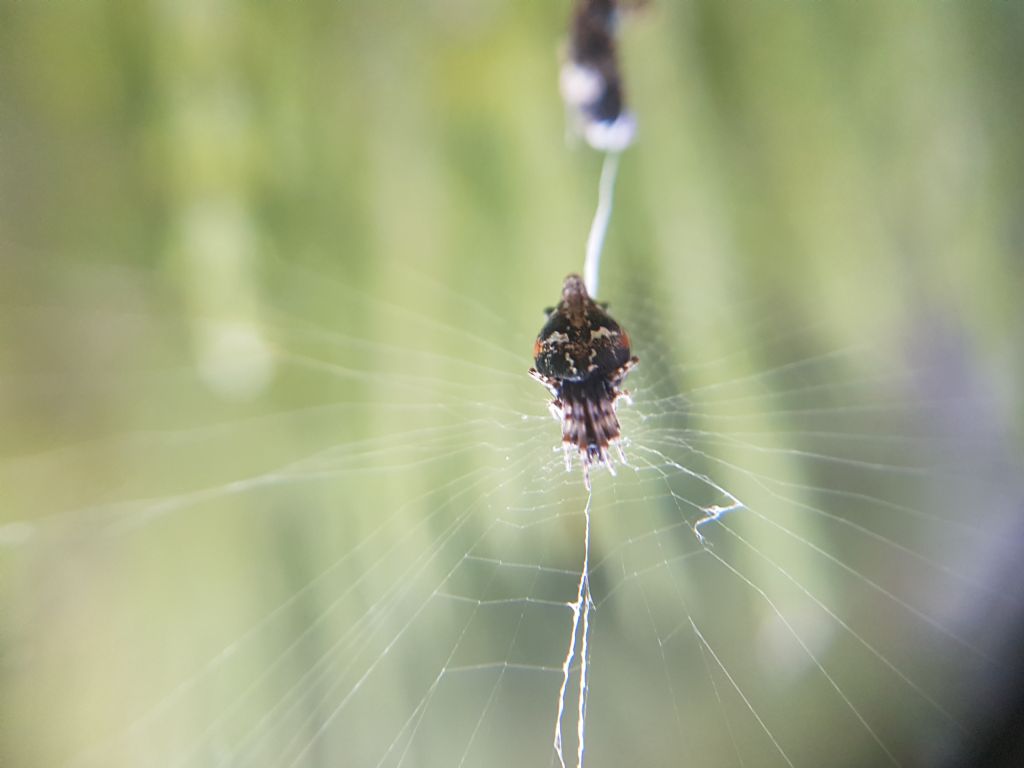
x,y
536,348
624,339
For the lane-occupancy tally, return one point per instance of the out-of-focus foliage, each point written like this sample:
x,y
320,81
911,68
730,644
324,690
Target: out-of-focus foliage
x,y
184,184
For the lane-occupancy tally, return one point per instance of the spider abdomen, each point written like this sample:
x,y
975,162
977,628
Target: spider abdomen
x,y
582,355
596,347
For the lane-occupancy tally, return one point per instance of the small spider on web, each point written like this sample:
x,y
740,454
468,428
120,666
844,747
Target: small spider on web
x,y
582,355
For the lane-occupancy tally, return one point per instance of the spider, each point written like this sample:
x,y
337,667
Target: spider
x,y
582,355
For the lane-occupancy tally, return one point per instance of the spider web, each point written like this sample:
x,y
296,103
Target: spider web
x,y
377,559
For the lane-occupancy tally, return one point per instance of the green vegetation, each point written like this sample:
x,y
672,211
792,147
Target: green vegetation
x,y
270,274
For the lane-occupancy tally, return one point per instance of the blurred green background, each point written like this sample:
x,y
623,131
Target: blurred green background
x,y
275,488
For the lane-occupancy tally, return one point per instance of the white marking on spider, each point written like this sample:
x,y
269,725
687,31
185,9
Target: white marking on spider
x,y
572,363
580,84
611,135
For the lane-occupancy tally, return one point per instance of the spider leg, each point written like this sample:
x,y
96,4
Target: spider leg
x,y
551,384
555,408
620,373
622,456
